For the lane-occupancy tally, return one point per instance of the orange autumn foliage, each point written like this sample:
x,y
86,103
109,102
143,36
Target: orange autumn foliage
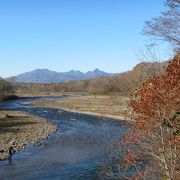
x,y
156,104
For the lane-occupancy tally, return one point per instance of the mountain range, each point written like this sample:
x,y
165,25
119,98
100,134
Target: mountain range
x,y
48,76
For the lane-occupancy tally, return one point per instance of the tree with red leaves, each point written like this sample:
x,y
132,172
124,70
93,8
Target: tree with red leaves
x,y
156,106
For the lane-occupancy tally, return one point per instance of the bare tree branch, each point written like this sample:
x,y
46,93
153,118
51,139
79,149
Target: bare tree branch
x,y
167,26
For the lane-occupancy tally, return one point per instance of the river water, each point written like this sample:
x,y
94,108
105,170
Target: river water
x,y
79,149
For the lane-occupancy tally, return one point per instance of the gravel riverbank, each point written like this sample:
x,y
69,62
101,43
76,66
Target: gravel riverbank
x,y
18,129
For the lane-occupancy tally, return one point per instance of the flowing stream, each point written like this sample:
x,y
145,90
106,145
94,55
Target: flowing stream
x,y
79,149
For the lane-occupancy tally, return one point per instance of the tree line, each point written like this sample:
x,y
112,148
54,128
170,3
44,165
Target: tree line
x,y
6,90
123,84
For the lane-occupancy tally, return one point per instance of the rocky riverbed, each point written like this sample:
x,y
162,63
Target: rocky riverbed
x,y
18,129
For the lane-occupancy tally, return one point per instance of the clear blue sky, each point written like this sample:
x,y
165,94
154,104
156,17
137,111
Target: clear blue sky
x,y
72,34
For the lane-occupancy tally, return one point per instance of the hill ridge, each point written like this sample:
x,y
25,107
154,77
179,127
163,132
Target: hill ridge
x,y
49,76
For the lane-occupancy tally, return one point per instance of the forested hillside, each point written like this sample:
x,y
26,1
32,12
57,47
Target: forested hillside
x,y
124,83
6,90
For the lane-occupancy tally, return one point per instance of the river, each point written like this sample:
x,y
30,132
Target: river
x,y
79,149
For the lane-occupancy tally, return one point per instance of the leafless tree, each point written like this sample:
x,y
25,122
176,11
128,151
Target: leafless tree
x,y
166,27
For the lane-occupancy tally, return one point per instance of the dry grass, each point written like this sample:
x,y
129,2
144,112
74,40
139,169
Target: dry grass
x,y
107,106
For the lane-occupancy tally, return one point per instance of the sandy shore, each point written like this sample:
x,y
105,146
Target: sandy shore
x,y
18,129
115,107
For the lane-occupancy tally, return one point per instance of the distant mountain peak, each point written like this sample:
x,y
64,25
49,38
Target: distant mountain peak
x,y
97,70
74,71
48,76
42,70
